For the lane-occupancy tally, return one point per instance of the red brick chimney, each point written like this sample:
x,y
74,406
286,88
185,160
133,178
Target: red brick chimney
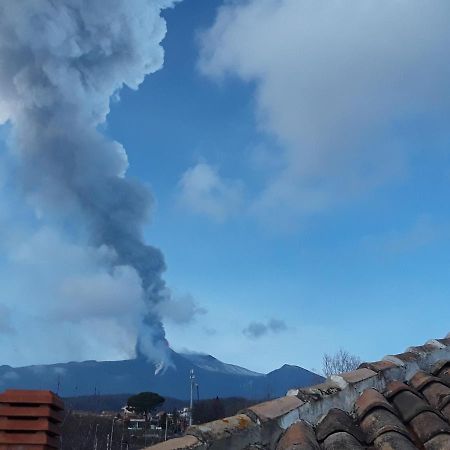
x,y
30,420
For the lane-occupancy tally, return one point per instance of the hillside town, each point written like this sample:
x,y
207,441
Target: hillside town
x,y
124,430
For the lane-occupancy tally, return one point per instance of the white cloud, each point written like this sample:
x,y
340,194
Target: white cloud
x,y
180,309
203,191
99,294
6,326
422,233
4,114
63,296
73,304
336,83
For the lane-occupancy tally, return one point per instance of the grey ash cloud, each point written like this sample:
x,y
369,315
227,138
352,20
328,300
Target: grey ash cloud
x,y
60,64
256,330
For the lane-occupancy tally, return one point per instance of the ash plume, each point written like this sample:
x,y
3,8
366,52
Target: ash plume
x,y
61,61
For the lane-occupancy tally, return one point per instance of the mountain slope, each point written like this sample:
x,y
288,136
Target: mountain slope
x,y
214,377
212,364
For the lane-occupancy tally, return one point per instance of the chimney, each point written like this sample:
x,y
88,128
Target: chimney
x,y
30,419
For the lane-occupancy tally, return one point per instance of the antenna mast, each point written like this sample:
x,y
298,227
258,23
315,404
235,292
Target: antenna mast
x,y
192,380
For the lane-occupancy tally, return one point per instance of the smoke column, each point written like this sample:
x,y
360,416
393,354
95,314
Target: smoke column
x,y
60,63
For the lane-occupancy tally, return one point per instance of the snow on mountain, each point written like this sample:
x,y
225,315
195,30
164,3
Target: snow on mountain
x,y
208,362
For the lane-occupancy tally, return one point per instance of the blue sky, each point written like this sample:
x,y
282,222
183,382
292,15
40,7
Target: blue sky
x,y
363,275
300,176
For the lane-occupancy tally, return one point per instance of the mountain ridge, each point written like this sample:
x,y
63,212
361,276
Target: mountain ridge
x,y
214,377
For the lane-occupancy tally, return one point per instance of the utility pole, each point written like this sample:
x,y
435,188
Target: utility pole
x,y
167,420
112,433
95,437
192,378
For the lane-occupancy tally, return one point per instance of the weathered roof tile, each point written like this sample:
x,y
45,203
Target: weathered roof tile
x,y
409,405
437,394
445,341
238,428
427,425
394,387
358,375
422,379
443,371
440,366
378,366
340,441
445,411
439,442
392,440
274,409
318,391
335,421
380,421
369,400
403,358
422,349
182,443
299,436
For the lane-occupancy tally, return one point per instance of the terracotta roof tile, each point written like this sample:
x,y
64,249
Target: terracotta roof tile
x,y
444,371
336,421
380,421
422,379
394,387
422,349
340,441
403,358
369,400
445,411
185,442
399,403
439,366
274,409
445,341
437,394
393,441
427,425
318,391
409,405
299,436
440,442
378,366
436,343
355,376
224,429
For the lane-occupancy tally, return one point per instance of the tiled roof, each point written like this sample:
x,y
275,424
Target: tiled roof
x,y
401,402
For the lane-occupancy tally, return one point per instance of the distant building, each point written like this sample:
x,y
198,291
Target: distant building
x,y
136,424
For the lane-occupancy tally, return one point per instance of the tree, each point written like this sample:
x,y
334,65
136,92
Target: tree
x,y
145,402
208,410
341,361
